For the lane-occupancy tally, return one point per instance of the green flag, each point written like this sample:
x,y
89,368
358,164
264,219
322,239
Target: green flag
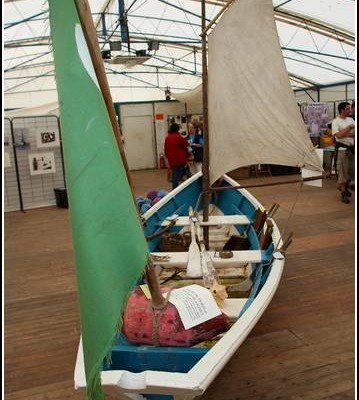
x,y
109,244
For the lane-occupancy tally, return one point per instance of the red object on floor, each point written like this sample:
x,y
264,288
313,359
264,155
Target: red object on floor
x,y
139,320
162,162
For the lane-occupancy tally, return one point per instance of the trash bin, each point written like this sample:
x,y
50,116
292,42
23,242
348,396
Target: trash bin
x,y
61,197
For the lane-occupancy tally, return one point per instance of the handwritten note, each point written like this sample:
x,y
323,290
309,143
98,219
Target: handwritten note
x,y
195,304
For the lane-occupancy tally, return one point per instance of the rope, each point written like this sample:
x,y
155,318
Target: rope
x,y
286,223
157,314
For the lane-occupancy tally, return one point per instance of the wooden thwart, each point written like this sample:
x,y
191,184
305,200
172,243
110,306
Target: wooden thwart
x,y
179,259
213,220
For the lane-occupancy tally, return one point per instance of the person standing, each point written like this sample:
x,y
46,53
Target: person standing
x,y
196,141
343,128
176,151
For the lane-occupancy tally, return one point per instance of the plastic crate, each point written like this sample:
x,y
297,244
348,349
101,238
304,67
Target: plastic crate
x,y
139,358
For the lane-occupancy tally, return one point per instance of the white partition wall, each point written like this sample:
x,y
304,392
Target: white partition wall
x,y
138,134
36,164
144,127
12,197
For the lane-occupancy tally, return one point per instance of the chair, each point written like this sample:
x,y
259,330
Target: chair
x,y
262,169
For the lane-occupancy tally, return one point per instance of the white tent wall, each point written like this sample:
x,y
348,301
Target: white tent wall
x,y
43,109
344,92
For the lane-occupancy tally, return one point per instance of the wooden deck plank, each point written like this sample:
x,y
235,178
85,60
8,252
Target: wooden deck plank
x,y
301,348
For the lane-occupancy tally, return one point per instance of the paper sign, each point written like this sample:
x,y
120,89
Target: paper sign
x,y
308,173
146,291
7,162
195,304
160,116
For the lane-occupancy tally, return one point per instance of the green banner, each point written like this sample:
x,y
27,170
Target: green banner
x,y
109,244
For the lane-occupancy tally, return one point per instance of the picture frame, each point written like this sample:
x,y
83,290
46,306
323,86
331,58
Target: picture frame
x,y
42,163
47,138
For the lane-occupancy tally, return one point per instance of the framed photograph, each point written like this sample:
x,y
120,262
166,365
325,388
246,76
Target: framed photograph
x,y
22,138
47,138
41,164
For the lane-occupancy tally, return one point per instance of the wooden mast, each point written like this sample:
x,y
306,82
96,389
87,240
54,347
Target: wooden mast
x,y
84,12
205,164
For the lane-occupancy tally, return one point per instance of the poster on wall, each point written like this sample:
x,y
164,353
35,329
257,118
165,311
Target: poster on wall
x,y
7,162
315,117
43,163
47,138
22,138
181,121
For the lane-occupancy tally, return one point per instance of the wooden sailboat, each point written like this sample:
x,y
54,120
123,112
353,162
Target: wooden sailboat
x,y
253,119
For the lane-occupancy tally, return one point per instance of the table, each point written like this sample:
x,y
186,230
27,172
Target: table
x,y
331,151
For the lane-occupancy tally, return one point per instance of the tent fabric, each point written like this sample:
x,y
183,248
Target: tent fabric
x,y
315,53
193,100
44,109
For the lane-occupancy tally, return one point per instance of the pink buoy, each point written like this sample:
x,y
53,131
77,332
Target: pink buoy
x,y
144,325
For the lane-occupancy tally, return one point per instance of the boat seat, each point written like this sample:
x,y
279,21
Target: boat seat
x,y
179,259
213,220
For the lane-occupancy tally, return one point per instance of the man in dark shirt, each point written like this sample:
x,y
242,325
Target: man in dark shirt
x,y
176,151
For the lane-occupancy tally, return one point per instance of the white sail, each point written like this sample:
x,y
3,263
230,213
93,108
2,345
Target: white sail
x,y
253,115
192,98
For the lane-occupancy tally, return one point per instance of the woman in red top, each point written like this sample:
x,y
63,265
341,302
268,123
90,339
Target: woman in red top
x,y
176,151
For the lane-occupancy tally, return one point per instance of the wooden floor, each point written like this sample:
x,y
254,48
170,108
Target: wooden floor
x,y
302,347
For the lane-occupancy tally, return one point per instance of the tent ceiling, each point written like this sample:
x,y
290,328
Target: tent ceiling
x,y
317,39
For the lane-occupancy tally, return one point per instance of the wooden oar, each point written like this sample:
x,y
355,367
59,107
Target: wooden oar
x,y
208,271
194,269
210,278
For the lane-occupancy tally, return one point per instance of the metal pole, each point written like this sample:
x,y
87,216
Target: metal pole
x,y
61,150
255,185
16,166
